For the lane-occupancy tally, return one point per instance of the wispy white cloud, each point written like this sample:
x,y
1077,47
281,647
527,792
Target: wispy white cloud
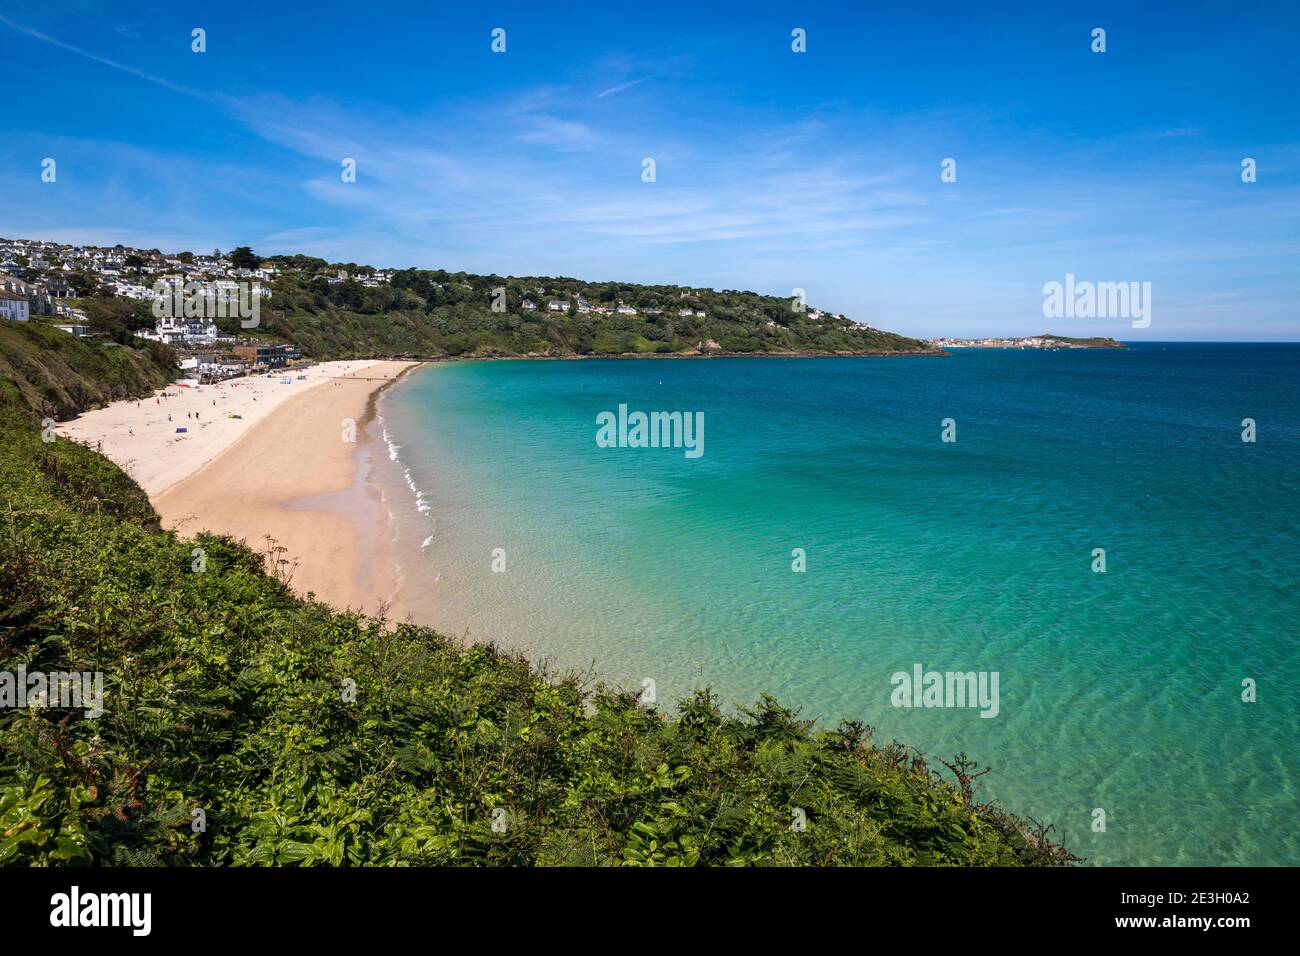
x,y
547,179
133,71
560,134
620,87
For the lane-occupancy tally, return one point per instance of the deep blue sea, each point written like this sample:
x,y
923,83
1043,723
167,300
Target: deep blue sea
x,y
1120,692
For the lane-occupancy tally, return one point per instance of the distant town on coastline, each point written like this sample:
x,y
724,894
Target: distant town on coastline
x,y
313,309
1045,341
309,309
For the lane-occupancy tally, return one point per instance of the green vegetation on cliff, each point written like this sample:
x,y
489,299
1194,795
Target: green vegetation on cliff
x,y
426,313
345,310
1093,342
55,374
227,694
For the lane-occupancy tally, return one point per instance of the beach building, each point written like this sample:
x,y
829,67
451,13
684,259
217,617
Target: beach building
x,y
262,357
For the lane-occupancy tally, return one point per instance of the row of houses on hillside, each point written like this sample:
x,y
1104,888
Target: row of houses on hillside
x,y
621,308
371,280
126,271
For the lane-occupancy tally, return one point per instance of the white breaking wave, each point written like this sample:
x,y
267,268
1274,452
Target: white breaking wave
x,y
421,499
393,447
421,502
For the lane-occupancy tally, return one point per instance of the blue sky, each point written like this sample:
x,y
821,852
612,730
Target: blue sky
x,y
775,170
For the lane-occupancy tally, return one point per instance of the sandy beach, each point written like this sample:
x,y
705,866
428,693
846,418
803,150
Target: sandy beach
x,y
288,467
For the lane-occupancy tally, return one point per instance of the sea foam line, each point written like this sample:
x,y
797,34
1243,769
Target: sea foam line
x,y
421,500
393,447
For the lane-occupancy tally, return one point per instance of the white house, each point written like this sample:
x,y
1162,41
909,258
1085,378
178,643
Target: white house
x,y
132,290
173,331
13,306
558,306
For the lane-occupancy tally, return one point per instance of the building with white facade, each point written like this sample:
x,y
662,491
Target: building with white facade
x,y
183,331
13,306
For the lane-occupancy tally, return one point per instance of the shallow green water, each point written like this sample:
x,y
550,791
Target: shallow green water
x,y
1119,690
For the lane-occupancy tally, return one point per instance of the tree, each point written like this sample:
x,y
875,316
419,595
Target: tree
x,y
242,258
119,319
82,283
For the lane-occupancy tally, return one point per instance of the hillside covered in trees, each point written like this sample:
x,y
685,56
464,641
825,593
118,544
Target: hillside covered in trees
x,y
346,310
424,313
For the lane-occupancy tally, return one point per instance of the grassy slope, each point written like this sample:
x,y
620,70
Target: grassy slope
x,y
225,693
56,374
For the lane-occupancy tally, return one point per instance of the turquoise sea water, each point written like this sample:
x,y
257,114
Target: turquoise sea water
x,y
1119,690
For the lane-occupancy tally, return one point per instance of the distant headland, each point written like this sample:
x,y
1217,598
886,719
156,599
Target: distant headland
x,y
1045,341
